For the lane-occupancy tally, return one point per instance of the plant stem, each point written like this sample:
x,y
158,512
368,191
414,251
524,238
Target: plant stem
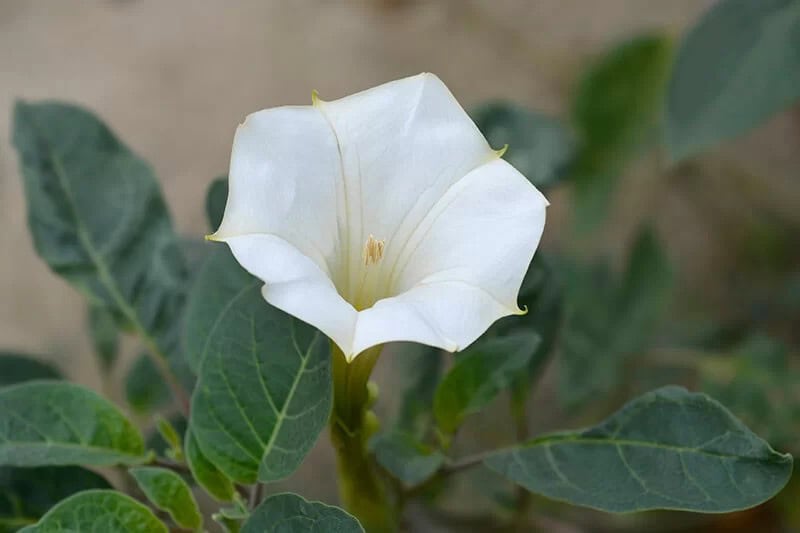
x,y
466,462
256,495
362,492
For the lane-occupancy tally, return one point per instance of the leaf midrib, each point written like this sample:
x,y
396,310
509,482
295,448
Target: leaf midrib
x,y
281,415
549,442
106,279
12,444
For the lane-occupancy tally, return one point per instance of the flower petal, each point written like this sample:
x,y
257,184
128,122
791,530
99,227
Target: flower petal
x,y
284,174
296,284
403,144
463,266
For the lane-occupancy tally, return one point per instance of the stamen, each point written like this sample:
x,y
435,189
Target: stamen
x,y
373,251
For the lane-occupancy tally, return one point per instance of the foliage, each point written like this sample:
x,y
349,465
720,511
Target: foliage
x,y
669,449
737,67
289,512
169,492
248,389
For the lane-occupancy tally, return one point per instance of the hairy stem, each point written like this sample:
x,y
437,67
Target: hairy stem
x,y
361,490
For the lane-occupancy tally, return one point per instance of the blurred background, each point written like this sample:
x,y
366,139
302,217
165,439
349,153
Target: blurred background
x,y
173,80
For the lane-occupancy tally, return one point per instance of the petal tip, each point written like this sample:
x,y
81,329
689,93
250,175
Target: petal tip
x,y
502,151
315,99
450,346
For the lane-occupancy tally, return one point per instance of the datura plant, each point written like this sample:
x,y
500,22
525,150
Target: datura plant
x,y
379,223
384,216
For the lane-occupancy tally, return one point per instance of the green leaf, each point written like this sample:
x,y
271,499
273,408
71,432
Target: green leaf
x,y
216,197
205,473
105,336
423,367
98,510
264,392
220,285
57,423
98,219
609,321
18,368
170,493
145,389
616,108
540,147
668,449
479,374
542,294
289,513
737,67
196,251
405,457
28,493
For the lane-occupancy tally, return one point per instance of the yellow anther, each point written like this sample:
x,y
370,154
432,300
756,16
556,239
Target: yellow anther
x,y
373,251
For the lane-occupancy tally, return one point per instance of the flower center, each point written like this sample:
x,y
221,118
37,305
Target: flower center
x,y
368,286
373,251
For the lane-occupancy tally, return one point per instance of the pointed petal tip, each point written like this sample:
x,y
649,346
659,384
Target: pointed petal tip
x,y
502,151
315,99
214,237
450,345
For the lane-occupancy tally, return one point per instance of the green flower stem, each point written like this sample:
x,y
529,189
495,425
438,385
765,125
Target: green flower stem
x,y
362,491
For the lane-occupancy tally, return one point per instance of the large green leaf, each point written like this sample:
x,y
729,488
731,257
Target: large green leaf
x,y
405,457
28,493
170,493
608,321
98,219
145,389
18,368
264,392
540,147
220,285
738,66
205,473
216,197
289,513
479,374
98,510
58,423
616,108
668,449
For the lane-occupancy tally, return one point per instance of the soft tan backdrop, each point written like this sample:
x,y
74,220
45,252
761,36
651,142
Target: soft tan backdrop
x,y
174,78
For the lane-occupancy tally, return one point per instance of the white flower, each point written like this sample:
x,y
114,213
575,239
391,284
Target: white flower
x,y
383,216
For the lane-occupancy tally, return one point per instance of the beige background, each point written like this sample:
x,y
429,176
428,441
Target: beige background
x,y
174,78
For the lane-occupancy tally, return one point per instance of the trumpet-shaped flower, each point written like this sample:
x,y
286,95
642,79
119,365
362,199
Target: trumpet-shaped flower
x,y
383,216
